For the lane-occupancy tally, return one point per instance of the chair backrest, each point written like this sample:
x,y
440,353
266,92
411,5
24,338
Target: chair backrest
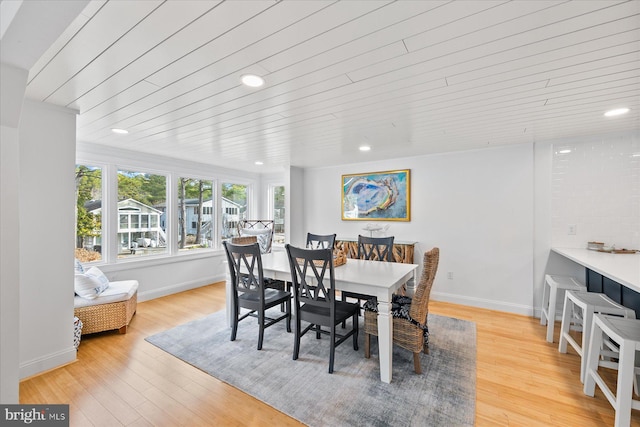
x,y
250,279
261,228
420,301
316,290
319,241
375,248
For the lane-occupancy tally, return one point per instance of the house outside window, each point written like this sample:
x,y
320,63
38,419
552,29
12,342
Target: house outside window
x,y
138,193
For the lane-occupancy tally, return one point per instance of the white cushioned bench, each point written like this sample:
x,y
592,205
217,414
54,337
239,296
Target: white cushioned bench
x,y
112,309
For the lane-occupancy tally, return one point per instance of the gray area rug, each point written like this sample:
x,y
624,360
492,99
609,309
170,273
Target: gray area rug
x,y
444,395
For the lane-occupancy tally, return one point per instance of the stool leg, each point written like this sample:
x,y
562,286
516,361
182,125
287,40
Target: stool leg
x,y
593,356
545,304
625,383
587,319
566,324
551,311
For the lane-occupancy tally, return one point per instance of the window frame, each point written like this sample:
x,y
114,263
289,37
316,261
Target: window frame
x,y
111,160
271,207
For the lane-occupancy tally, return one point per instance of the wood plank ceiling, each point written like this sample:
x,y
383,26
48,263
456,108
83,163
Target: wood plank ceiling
x,y
403,77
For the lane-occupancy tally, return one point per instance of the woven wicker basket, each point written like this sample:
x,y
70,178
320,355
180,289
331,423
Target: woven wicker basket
x,y
244,240
339,258
105,317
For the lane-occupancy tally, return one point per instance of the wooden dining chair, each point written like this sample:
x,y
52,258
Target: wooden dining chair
x,y
314,290
410,330
321,241
250,292
373,249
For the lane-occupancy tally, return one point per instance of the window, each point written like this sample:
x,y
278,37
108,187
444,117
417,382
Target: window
x,y
140,195
143,216
88,213
277,193
234,208
195,196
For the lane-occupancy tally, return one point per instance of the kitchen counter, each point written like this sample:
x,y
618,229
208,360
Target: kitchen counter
x,y
622,268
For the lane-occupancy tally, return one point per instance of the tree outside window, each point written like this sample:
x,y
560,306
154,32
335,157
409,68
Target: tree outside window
x,y
88,213
278,214
195,196
234,208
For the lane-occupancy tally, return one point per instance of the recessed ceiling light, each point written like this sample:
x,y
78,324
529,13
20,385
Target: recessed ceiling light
x,y
565,151
259,163
616,112
252,80
635,155
365,148
120,131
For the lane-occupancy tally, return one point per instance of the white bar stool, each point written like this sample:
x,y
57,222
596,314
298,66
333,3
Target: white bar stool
x,y
553,284
625,333
589,303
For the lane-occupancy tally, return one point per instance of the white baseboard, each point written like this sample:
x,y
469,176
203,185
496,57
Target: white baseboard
x,y
47,362
484,303
179,287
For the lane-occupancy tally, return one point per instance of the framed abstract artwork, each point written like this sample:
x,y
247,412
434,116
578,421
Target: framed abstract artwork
x,y
383,196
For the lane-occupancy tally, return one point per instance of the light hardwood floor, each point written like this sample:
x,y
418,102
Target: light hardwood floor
x,y
122,380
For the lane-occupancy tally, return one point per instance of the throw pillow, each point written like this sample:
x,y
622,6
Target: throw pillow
x,y
85,286
78,267
91,283
99,275
263,235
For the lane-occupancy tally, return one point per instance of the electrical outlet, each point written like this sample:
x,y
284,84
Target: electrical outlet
x,y
572,229
450,275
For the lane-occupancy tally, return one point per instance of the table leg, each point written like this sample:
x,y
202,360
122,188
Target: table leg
x,y
385,340
410,287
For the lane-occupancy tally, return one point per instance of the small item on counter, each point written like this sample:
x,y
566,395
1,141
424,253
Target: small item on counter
x,y
595,246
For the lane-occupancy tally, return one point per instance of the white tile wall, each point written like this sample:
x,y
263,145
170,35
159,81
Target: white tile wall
x,y
596,188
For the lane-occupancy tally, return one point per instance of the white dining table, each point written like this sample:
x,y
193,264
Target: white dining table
x,y
375,278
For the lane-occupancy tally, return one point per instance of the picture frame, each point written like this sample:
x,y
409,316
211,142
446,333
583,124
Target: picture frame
x,y
377,196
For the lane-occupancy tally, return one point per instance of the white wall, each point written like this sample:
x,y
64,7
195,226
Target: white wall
x,y
12,85
596,188
296,207
46,208
476,206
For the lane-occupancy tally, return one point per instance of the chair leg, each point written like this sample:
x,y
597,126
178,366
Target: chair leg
x,y
261,330
296,340
355,334
416,363
344,299
332,351
234,326
367,345
288,315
